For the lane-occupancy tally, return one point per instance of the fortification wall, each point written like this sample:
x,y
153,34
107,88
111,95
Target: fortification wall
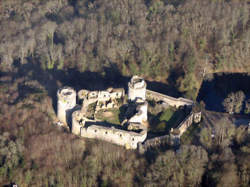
x,y
66,101
176,102
129,139
182,127
170,139
159,141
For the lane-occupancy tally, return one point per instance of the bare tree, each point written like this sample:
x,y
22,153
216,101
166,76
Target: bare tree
x,y
233,102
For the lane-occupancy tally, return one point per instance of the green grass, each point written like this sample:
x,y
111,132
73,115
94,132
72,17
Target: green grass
x,y
165,120
114,119
167,114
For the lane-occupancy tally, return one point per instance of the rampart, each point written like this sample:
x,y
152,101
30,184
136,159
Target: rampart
x,y
176,102
174,137
134,136
95,129
168,139
182,127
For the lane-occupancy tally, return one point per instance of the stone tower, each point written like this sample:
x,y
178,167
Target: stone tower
x,y
137,88
66,101
78,121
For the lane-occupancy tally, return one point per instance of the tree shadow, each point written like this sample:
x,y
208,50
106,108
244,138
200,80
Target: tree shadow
x,y
215,88
52,79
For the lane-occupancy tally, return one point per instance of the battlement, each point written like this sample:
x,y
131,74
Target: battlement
x,y
95,129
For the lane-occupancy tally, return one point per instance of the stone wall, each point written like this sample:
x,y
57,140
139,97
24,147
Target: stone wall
x,y
93,129
182,127
158,141
129,138
176,102
170,139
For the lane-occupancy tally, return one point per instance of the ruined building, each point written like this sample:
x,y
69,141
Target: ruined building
x,y
132,131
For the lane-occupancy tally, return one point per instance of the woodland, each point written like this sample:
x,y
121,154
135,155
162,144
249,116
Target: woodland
x,y
94,44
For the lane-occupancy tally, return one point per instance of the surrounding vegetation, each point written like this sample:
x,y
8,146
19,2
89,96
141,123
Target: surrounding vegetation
x,y
226,92
46,44
174,41
234,101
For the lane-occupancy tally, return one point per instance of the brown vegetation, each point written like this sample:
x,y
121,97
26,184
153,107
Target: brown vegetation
x,y
175,41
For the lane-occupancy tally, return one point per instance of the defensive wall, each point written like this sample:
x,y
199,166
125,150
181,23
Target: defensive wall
x,y
182,127
174,137
168,139
96,129
137,130
176,102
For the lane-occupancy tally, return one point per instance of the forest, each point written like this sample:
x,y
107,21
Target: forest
x,y
93,44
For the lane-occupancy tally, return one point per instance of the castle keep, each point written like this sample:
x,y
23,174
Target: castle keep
x,y
132,131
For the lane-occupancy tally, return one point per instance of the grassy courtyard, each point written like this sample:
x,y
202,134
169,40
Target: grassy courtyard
x,y
166,119
109,115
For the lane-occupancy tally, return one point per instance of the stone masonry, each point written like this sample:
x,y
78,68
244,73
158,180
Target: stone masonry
x,y
136,132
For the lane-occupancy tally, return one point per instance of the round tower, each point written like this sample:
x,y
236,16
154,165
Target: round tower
x,y
66,101
137,88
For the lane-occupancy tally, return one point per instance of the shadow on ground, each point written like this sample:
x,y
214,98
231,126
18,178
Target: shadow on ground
x,y
53,79
217,86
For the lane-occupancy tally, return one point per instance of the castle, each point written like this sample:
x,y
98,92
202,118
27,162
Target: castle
x,y
133,130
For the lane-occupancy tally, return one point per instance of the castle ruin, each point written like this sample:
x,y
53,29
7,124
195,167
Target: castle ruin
x,y
133,130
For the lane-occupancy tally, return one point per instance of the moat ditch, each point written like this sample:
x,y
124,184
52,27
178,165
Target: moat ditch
x,y
216,87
